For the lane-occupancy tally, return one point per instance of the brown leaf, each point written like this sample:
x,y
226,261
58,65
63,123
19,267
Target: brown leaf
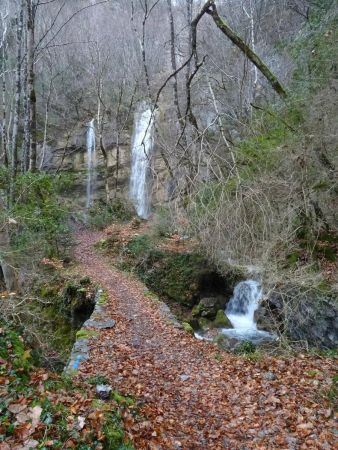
x,y
16,408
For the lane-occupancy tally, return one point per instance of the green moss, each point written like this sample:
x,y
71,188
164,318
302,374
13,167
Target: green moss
x,y
175,275
245,348
122,399
140,245
188,328
98,379
221,320
205,323
86,334
196,311
11,345
102,299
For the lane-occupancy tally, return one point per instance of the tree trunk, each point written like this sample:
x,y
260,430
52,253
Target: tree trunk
x,y
210,8
44,145
173,59
31,9
4,156
189,20
26,109
16,112
10,275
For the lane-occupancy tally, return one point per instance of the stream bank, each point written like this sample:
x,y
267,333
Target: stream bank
x,y
198,294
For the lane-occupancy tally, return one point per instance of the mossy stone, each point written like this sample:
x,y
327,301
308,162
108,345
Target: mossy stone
x,y
196,311
204,323
221,320
188,328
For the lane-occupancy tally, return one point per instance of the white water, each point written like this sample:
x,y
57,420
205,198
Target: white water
x,y
91,163
243,304
241,311
142,148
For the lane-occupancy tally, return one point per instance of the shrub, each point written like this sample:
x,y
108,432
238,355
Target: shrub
x,y
103,214
40,215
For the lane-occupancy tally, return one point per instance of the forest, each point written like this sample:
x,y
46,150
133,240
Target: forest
x,y
168,224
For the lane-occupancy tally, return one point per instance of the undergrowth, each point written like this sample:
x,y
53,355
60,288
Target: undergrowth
x,y
45,410
103,214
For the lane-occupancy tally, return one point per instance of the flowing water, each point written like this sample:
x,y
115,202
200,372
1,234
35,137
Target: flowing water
x,y
91,163
243,304
142,148
241,311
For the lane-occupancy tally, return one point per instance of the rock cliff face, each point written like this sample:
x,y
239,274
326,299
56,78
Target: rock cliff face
x,y
69,154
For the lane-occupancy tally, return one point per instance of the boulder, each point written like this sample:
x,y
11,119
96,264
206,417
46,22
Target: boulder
x,y
309,315
188,328
208,307
221,320
227,343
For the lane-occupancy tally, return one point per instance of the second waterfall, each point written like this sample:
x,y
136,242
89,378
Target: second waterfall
x,y
142,149
91,163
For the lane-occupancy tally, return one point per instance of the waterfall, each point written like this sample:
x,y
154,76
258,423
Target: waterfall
x,y
243,304
91,163
142,147
241,311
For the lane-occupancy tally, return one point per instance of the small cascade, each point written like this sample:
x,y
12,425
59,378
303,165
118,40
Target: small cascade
x,y
91,163
241,311
243,304
142,148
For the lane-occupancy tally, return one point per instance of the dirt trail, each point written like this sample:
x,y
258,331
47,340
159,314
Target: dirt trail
x,y
193,398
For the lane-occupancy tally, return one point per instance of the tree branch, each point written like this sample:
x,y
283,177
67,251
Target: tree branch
x,y
211,9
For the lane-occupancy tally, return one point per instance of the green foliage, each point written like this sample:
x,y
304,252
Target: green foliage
x,y
114,436
332,393
12,346
85,334
103,214
140,245
245,348
122,399
40,216
261,153
315,51
57,422
162,223
175,275
98,379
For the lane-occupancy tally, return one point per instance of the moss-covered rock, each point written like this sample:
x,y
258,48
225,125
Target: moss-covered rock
x,y
188,328
183,277
204,323
209,306
221,320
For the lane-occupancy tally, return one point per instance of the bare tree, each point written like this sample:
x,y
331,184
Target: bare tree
x,y
16,112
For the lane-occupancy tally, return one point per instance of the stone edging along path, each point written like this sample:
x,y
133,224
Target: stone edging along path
x,y
189,395
97,321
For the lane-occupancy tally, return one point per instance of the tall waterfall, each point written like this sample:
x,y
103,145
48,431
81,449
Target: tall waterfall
x,y
142,147
91,163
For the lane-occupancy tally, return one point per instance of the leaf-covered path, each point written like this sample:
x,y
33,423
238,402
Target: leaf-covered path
x,y
189,397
